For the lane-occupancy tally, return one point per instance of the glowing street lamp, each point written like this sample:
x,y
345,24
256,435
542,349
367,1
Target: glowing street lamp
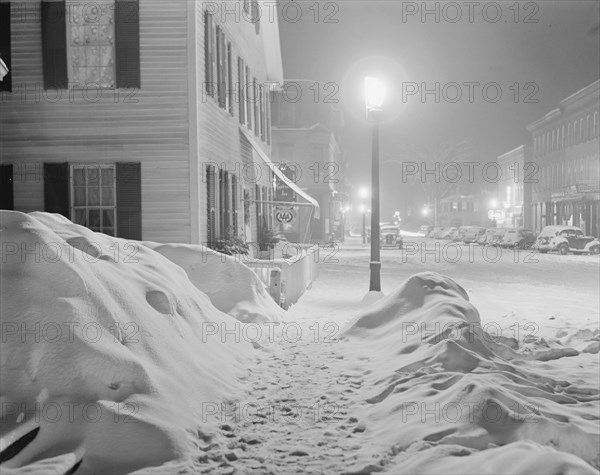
x,y
374,95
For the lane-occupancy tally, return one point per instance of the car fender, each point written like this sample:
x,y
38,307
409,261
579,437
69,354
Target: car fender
x,y
558,240
591,244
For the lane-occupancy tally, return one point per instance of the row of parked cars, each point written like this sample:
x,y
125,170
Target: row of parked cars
x,y
562,239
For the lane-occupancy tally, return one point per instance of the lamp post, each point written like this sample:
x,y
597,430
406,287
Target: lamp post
x,y
374,93
364,192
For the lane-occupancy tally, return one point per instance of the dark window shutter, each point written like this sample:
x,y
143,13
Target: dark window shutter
x,y
258,209
227,203
256,105
234,199
129,200
6,187
249,94
54,45
127,43
263,112
6,83
220,39
241,99
265,207
211,204
222,203
56,189
209,76
230,90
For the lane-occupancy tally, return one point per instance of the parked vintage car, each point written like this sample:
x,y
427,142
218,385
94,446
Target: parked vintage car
x,y
497,237
459,235
389,236
565,239
425,230
486,237
472,234
446,233
518,238
435,232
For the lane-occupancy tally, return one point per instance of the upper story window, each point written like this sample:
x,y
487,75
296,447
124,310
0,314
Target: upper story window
x,y
91,44
218,64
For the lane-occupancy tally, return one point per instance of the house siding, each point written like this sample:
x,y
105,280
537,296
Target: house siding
x,y
219,139
149,125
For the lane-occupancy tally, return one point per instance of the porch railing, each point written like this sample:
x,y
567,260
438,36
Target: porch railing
x,y
287,278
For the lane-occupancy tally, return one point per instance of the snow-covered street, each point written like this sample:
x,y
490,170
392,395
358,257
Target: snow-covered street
x,y
309,403
441,373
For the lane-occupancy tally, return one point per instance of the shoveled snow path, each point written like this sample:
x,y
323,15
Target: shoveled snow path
x,y
300,414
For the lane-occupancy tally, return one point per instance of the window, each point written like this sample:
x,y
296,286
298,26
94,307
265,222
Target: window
x,y
90,44
218,59
6,82
587,133
569,136
98,45
94,197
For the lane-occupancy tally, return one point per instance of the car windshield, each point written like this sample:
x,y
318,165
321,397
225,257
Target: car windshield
x,y
499,232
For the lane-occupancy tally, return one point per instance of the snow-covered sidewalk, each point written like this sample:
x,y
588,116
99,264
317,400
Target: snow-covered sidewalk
x,y
493,369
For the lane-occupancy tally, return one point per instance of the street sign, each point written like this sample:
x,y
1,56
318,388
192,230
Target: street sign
x,y
284,214
496,215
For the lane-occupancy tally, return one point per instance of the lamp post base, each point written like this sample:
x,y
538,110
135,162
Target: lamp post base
x,y
375,282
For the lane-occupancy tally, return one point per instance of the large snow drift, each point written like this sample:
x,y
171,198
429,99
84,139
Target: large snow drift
x,y
436,380
231,286
105,357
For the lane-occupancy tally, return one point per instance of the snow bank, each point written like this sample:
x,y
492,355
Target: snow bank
x,y
231,286
436,378
105,357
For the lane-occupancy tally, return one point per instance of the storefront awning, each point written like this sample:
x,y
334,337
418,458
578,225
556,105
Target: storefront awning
x,y
277,172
